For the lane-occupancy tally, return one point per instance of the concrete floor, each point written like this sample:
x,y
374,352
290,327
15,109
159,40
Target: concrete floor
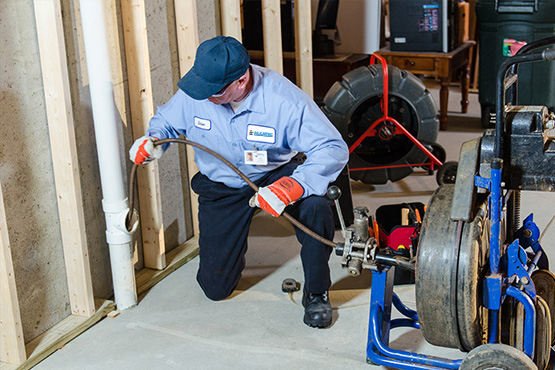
x,y
176,327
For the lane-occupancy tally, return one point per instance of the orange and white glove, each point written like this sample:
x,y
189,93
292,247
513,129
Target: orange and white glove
x,y
275,197
144,151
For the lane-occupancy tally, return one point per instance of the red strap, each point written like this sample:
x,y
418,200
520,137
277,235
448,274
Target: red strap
x,y
287,189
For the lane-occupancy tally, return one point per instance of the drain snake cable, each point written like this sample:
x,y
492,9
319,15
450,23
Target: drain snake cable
x,y
404,263
132,176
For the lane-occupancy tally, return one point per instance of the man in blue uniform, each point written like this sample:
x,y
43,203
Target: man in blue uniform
x,y
259,121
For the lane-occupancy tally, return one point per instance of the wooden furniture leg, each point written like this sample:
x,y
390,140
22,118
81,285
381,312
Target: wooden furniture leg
x,y
465,85
443,102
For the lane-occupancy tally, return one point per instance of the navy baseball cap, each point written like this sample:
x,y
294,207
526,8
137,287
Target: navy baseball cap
x,y
218,61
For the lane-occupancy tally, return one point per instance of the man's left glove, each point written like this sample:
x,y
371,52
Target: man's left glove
x,y
275,197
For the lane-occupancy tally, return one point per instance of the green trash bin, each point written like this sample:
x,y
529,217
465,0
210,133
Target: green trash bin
x,y
500,23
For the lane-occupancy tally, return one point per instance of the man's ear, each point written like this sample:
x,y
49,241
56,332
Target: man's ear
x,y
244,78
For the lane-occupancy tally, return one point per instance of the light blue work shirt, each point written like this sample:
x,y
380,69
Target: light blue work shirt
x,y
276,117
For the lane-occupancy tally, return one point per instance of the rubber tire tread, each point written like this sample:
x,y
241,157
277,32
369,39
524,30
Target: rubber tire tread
x,y
498,356
472,260
448,275
543,334
547,293
434,264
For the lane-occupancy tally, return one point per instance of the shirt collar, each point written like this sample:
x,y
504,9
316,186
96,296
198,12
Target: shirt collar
x,y
255,100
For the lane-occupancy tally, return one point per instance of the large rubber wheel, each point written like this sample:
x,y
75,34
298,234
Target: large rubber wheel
x,y
544,281
449,271
473,258
508,320
497,357
353,104
543,334
512,326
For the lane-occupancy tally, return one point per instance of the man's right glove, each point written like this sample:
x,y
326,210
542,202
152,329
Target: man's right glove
x,y
144,151
278,195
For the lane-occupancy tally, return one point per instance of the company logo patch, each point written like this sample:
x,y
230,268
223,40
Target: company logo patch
x,y
202,123
261,134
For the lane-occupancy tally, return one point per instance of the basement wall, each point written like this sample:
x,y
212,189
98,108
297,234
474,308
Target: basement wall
x,y
26,171
27,176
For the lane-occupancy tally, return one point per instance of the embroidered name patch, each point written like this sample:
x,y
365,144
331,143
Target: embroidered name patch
x,y
203,123
261,134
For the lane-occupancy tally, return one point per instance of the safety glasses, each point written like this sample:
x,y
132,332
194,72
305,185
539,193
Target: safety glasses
x,y
222,91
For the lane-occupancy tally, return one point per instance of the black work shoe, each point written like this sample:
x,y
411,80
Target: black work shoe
x,y
317,310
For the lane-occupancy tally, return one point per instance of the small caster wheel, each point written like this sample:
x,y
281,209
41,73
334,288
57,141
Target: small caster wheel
x,y
447,174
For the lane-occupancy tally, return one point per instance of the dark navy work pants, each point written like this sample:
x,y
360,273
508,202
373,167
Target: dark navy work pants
x,y
224,221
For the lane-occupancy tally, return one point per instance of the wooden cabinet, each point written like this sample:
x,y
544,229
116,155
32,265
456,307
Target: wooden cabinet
x,y
441,65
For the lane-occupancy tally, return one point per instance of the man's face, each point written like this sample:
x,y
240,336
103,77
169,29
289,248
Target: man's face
x,y
235,91
229,94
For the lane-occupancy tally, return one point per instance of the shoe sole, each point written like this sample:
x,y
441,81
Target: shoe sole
x,y
319,325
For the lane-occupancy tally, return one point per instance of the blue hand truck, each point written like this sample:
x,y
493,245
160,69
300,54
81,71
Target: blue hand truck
x,y
483,283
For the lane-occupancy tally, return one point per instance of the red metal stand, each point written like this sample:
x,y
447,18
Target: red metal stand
x,y
372,131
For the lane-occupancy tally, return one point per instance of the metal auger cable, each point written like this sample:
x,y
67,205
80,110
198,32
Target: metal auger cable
x,y
296,223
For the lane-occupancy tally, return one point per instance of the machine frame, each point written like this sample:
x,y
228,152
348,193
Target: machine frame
x,y
509,264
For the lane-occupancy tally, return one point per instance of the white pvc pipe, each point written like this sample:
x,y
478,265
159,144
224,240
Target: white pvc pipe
x,y
115,203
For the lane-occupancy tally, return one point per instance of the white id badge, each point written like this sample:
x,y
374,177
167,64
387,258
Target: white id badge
x,y
256,157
